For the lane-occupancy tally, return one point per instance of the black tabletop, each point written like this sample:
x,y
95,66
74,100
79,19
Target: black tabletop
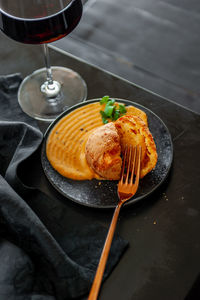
x,y
163,260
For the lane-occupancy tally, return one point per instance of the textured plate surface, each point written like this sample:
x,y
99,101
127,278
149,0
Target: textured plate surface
x,y
103,194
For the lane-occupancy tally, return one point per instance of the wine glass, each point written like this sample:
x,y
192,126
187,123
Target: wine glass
x,y
47,92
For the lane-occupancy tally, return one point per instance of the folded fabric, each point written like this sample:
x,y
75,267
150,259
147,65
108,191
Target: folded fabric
x,y
39,258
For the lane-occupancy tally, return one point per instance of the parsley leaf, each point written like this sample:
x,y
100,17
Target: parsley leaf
x,y
122,109
104,117
109,109
112,110
116,115
104,99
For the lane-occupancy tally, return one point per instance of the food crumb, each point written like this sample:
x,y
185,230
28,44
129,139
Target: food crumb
x,y
99,182
165,197
154,223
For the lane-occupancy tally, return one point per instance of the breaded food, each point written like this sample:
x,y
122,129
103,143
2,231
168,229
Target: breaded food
x,y
107,143
133,131
132,110
103,151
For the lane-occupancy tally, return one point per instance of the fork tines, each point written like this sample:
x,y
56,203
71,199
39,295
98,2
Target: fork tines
x,y
130,166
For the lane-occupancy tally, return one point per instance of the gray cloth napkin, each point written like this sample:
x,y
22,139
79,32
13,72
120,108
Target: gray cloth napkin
x,y
39,259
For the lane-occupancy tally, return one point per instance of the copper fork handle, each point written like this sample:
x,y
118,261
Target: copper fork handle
x,y
104,255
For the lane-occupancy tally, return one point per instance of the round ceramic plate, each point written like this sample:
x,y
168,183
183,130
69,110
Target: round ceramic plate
x,y
92,193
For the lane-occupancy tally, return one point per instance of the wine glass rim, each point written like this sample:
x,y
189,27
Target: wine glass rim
x,y
38,19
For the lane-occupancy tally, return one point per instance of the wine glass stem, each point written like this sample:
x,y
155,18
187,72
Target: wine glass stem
x,y
47,64
50,87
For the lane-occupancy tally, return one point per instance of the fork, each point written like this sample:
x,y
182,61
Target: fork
x,y
127,187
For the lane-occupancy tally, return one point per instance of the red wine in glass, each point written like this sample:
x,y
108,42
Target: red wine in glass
x,y
39,22
42,22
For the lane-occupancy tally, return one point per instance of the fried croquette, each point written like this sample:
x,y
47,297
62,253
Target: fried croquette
x,y
107,143
103,151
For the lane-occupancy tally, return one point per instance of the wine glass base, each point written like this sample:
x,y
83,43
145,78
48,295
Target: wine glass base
x,y
41,107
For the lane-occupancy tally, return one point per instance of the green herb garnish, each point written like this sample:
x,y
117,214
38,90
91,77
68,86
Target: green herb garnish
x,y
122,109
104,99
104,117
116,115
112,111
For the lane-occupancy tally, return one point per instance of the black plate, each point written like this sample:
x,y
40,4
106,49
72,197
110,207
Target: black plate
x,y
91,192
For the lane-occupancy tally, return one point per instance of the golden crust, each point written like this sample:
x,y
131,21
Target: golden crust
x,y
103,152
133,131
132,110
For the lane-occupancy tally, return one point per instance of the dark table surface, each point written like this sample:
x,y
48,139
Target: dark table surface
x,y
152,43
163,259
